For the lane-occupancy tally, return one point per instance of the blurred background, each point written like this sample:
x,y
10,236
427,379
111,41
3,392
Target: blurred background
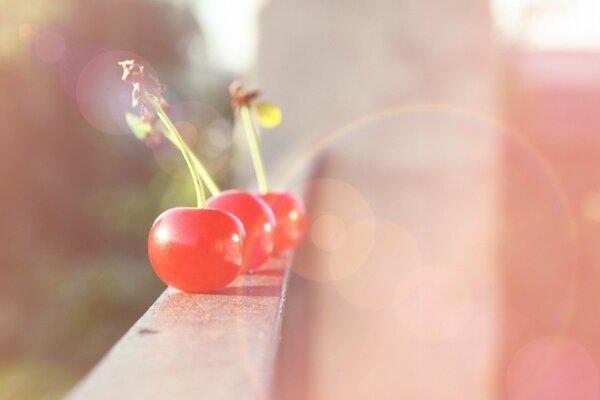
x,y
463,134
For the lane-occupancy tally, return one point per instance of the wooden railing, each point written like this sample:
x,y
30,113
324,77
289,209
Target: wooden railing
x,y
210,346
427,237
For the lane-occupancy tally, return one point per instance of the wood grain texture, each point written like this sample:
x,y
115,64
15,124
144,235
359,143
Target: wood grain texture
x,y
210,346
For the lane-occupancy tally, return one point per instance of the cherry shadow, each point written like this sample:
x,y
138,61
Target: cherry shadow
x,y
259,291
270,272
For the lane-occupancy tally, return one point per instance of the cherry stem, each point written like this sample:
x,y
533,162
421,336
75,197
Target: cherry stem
x,y
205,175
200,168
185,151
252,136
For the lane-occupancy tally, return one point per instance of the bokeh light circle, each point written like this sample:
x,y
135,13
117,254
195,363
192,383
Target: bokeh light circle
x,y
393,252
74,61
49,46
170,160
188,132
27,32
328,232
339,205
590,206
552,368
561,263
102,98
219,134
205,130
434,302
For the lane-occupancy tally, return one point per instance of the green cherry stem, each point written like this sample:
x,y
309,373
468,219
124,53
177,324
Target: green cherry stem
x,y
252,136
202,171
205,175
187,155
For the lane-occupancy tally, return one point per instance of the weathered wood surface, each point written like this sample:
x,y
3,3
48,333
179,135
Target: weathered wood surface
x,y
209,346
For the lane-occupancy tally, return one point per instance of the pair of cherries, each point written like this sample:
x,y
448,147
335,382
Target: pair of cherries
x,y
200,250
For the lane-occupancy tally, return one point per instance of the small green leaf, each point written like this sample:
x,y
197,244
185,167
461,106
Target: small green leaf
x,y
138,127
269,115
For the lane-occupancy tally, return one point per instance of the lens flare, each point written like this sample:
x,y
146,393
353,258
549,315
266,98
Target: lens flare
x,y
328,232
433,302
219,134
337,245
74,61
552,368
27,32
394,252
49,46
102,98
169,159
590,207
449,237
211,126
188,132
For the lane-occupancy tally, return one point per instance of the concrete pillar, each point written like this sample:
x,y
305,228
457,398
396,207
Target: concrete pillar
x,y
417,316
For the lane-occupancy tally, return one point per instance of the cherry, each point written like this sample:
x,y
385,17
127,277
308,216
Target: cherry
x,y
258,221
196,250
290,215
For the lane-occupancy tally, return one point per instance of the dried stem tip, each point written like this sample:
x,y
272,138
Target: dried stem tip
x,y
144,85
240,97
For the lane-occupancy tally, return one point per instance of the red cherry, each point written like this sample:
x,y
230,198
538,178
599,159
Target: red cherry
x,y
290,215
258,221
196,250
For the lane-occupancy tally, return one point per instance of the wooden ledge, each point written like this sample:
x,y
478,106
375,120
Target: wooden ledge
x,y
210,346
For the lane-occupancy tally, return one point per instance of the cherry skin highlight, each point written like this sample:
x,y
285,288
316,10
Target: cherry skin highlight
x,y
290,215
258,221
196,250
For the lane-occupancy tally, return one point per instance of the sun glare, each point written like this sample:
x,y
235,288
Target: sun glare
x,y
548,24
